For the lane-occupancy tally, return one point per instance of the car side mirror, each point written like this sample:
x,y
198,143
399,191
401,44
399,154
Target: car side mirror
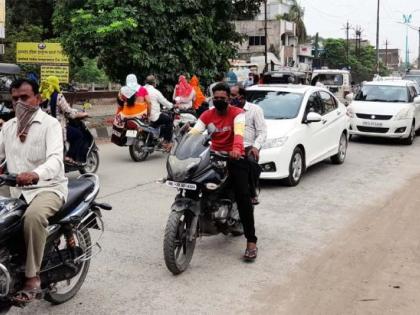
x,y
417,100
313,117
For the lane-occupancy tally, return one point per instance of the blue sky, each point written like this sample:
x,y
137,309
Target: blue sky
x,y
328,17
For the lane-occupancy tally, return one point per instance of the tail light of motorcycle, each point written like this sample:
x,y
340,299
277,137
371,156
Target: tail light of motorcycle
x,y
131,125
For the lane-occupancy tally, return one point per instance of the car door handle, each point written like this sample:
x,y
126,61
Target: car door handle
x,y
324,121
338,113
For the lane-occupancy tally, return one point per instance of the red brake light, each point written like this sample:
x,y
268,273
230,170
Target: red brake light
x,y
131,125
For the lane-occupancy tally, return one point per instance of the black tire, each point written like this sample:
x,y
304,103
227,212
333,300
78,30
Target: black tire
x,y
295,175
4,307
340,157
176,243
136,154
92,162
59,298
410,139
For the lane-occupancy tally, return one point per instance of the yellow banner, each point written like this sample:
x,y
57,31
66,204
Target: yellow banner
x,y
40,53
61,72
3,11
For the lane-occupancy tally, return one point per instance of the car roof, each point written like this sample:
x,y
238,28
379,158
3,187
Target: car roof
x,y
390,82
335,71
9,68
292,88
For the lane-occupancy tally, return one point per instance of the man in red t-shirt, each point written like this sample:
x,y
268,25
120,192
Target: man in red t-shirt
x,y
229,126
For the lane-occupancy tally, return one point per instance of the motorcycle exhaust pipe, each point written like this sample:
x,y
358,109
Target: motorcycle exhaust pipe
x,y
4,288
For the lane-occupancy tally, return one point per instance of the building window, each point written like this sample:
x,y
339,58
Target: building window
x,y
301,59
256,40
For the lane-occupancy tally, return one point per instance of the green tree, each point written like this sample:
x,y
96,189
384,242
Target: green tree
x,y
295,15
89,72
362,65
164,37
245,9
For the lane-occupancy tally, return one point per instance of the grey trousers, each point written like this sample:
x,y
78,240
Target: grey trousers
x,y
35,222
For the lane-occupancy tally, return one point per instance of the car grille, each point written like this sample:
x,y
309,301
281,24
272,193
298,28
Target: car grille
x,y
372,129
374,117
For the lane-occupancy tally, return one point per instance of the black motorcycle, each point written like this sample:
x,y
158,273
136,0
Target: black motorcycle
x,y
71,243
141,137
88,158
204,204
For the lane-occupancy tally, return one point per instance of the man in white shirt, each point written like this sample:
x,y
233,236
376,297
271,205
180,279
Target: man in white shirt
x,y
32,144
254,137
156,116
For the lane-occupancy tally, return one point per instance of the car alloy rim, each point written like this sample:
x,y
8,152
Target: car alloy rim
x,y
343,147
297,166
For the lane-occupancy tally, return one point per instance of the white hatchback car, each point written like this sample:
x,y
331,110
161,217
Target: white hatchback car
x,y
306,125
386,109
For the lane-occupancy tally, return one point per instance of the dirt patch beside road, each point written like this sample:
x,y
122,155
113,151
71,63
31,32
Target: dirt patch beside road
x,y
373,267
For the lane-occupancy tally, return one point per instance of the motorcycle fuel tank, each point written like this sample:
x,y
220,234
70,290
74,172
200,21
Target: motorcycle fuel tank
x,y
11,211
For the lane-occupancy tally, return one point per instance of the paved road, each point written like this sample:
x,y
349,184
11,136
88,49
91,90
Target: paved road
x,y
130,277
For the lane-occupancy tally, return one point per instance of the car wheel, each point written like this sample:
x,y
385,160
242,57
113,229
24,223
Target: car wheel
x,y
410,139
296,168
342,150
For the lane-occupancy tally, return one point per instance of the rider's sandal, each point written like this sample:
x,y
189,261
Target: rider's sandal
x,y
26,296
251,254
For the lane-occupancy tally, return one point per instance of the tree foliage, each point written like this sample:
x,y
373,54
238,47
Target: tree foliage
x,y
164,37
362,65
295,15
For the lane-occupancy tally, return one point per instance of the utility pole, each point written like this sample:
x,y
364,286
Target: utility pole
x,y
418,60
386,53
266,36
377,37
347,29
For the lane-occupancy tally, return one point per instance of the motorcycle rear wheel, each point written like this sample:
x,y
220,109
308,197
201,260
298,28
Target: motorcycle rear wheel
x,y
137,152
63,294
177,249
92,163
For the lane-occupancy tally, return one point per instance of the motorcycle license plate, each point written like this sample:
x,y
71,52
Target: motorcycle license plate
x,y
131,133
186,186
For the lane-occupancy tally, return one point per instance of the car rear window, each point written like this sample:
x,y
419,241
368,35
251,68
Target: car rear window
x,y
277,104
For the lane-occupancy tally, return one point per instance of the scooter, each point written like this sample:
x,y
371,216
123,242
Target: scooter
x,y
88,159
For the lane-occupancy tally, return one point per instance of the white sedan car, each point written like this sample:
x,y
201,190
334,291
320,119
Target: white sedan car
x,y
386,109
306,125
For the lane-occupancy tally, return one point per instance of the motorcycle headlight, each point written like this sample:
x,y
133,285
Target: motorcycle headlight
x,y
405,113
274,143
179,170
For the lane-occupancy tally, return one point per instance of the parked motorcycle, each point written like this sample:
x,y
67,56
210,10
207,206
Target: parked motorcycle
x,y
71,242
88,160
204,204
143,139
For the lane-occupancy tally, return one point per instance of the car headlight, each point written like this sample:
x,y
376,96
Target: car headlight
x,y
403,114
350,112
275,143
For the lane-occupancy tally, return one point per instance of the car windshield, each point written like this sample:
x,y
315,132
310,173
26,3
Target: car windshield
x,y
415,78
329,79
275,104
383,93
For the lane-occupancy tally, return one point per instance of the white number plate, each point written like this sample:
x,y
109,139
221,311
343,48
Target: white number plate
x,y
372,123
131,133
186,186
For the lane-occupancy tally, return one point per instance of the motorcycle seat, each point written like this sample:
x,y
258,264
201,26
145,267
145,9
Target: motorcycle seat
x,y
78,190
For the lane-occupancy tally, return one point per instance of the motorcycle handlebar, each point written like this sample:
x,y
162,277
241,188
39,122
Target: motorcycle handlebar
x,y
8,180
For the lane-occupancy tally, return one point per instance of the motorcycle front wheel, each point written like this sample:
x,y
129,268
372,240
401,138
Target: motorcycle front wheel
x,y
137,151
177,249
65,290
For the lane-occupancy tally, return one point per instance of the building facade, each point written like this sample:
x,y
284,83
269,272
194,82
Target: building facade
x,y
390,58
